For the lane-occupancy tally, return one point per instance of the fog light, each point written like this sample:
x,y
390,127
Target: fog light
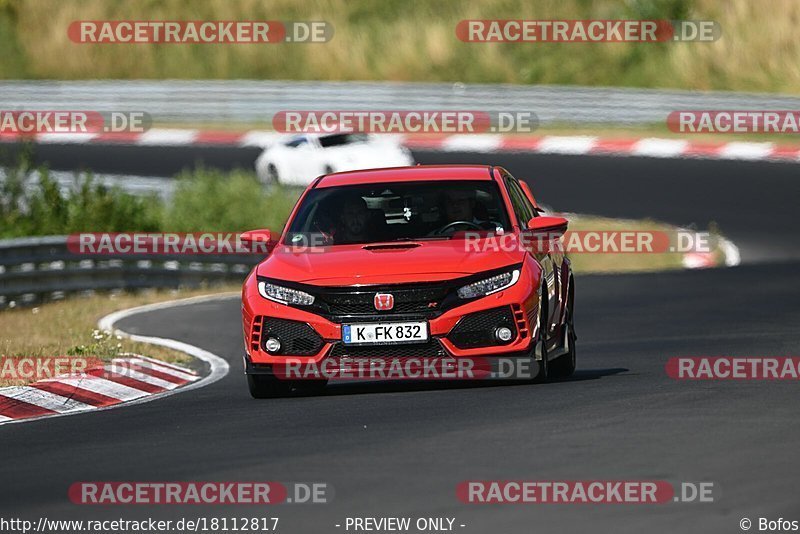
x,y
503,334
272,345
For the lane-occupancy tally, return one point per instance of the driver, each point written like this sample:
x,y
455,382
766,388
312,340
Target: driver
x,y
459,205
353,221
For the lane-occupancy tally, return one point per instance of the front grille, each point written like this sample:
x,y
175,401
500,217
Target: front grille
x,y
361,302
477,329
297,339
431,349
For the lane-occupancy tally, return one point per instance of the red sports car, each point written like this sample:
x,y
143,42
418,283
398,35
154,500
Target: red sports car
x,y
424,262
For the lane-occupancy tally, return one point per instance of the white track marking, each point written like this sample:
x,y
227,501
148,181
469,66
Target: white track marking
x,y
65,138
102,386
127,372
162,364
751,151
659,148
472,143
219,367
567,145
143,365
47,400
167,137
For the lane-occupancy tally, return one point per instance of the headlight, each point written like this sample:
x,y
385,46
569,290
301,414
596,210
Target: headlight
x,y
488,286
284,295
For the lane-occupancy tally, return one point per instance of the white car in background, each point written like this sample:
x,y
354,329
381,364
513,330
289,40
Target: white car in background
x,y
299,159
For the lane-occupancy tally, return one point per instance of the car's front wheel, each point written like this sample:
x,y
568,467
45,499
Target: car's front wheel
x,y
564,366
267,386
544,365
310,387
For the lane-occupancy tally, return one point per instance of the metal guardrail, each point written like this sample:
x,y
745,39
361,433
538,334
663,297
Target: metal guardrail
x,y
40,269
249,102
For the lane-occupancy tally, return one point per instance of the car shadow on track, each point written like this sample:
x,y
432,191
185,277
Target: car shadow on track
x,y
407,386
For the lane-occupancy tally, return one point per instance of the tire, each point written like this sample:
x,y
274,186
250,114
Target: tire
x,y
272,174
310,387
544,366
267,386
564,366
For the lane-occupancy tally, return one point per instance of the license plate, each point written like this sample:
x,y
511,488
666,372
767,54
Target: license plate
x,y
384,333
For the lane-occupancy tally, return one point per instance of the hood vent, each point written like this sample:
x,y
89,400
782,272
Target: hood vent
x,y
390,247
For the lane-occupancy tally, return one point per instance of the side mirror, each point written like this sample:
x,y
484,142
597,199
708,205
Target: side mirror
x,y
553,226
258,241
543,233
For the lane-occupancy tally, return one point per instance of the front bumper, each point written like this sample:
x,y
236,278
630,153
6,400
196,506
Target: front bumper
x,y
460,332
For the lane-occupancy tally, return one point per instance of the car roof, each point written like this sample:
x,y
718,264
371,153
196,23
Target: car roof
x,y
418,173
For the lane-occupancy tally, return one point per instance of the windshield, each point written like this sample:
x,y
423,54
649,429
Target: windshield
x,y
374,213
327,141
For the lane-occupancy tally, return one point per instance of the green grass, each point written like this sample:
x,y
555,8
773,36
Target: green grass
x,y
415,40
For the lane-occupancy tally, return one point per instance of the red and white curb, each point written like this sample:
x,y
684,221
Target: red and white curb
x,y
120,382
546,144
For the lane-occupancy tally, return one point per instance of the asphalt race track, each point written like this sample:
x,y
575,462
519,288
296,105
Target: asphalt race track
x,y
401,449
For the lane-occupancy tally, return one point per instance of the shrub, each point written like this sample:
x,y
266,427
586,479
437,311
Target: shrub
x,y
213,200
32,203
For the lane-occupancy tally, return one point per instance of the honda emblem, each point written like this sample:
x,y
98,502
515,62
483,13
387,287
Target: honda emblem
x,y
383,301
